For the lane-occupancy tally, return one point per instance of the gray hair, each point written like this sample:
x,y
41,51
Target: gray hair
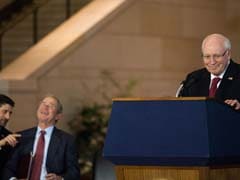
x,y
226,41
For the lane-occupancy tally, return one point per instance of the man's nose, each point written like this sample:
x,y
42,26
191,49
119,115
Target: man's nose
x,y
212,60
46,106
7,116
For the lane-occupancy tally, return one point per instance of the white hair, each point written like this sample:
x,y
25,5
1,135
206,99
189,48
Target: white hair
x,y
226,41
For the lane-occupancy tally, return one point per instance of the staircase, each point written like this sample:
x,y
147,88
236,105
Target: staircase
x,y
35,21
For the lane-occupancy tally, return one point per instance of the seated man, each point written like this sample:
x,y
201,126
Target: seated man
x,y
54,152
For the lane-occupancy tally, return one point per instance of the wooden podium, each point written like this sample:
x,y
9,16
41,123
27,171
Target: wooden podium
x,y
173,139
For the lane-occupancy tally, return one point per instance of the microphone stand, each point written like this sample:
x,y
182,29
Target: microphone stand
x,y
30,166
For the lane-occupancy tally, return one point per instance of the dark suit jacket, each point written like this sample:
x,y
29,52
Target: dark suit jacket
x,y
5,151
197,83
62,158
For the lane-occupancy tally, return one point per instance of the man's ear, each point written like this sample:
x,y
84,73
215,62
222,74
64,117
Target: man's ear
x,y
229,54
59,116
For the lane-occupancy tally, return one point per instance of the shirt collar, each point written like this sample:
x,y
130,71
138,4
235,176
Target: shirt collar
x,y
48,130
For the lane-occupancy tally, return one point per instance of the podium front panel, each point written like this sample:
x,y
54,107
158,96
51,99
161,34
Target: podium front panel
x,y
158,133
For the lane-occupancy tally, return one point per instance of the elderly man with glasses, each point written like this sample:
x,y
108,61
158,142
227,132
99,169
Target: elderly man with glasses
x,y
221,76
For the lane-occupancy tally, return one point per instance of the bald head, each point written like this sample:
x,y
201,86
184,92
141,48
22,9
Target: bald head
x,y
216,39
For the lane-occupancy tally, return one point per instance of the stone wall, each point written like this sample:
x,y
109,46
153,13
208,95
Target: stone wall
x,y
155,42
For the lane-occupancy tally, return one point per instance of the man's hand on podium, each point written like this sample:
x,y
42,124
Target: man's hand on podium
x,y
234,103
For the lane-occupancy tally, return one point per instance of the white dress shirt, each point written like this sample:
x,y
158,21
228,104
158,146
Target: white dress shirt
x,y
47,138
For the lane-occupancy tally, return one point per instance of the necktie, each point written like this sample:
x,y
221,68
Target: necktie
x,y
38,158
213,87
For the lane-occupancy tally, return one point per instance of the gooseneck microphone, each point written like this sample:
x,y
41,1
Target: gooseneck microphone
x,y
185,84
180,89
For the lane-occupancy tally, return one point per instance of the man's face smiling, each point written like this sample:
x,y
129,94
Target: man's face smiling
x,y
5,114
47,111
215,56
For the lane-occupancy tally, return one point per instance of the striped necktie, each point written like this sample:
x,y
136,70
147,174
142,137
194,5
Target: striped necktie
x,y
213,87
38,158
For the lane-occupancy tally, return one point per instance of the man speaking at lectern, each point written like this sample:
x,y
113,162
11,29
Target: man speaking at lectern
x,y
221,76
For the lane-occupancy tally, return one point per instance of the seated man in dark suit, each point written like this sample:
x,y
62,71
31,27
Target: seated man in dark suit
x,y
7,139
54,152
221,76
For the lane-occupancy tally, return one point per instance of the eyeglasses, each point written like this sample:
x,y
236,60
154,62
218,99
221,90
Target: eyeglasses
x,y
214,56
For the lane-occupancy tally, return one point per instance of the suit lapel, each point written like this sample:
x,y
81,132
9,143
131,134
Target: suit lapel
x,y
203,86
28,140
53,145
227,80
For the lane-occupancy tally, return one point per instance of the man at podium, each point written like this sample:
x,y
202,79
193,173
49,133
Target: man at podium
x,y
221,76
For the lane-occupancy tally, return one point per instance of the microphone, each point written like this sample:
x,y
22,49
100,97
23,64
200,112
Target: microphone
x,y
30,166
185,84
